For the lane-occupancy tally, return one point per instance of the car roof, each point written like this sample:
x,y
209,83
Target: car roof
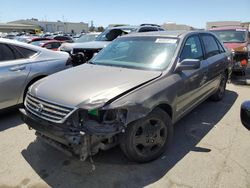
x,y
171,34
124,27
47,41
21,44
135,26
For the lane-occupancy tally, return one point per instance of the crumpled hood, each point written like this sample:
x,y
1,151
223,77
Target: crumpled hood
x,y
89,86
238,47
85,45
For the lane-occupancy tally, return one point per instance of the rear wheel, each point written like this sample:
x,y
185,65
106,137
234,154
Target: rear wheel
x,y
147,138
221,90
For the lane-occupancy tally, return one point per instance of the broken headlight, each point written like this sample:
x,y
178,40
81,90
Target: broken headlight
x,y
103,116
114,115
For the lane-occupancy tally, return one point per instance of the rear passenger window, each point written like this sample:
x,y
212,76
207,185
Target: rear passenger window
x,y
211,46
6,53
27,53
147,29
192,49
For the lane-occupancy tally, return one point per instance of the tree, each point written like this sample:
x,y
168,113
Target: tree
x,y
100,29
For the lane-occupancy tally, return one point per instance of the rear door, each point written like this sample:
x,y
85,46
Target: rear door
x,y
14,69
194,82
216,58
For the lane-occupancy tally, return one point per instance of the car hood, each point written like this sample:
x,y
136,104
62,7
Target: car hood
x,y
85,45
90,86
238,47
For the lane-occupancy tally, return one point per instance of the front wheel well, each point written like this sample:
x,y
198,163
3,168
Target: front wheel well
x,y
30,83
167,108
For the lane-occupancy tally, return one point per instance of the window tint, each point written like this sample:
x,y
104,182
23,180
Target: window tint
x,y
211,46
6,53
192,49
48,46
147,29
62,38
220,47
56,45
27,53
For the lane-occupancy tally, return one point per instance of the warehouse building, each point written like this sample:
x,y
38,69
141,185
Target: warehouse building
x,y
46,26
210,25
7,28
174,26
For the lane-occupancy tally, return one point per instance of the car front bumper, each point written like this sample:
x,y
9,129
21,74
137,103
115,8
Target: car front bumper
x,y
55,132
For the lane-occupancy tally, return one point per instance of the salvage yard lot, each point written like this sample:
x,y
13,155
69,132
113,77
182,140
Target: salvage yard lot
x,y
210,149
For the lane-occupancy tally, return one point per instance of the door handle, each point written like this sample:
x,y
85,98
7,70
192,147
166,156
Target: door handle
x,y
18,68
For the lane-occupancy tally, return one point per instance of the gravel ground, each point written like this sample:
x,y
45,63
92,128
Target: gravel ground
x,y
211,149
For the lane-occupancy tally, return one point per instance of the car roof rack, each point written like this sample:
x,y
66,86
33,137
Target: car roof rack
x,y
148,24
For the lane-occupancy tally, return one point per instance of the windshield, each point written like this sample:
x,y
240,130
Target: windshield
x,y
150,53
111,34
231,35
87,38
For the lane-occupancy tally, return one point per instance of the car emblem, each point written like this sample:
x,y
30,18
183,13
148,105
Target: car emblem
x,y
39,108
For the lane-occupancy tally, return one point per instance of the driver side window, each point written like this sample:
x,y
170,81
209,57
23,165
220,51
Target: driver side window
x,y
192,49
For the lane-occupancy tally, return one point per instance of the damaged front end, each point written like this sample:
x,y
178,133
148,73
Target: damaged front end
x,y
83,133
240,62
80,56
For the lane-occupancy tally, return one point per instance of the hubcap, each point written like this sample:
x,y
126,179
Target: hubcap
x,y
150,137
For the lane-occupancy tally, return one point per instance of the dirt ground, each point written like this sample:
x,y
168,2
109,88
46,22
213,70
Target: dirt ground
x,y
210,149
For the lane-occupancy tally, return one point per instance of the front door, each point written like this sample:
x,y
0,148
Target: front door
x,y
192,81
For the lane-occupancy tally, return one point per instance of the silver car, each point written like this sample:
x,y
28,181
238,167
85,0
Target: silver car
x,y
21,65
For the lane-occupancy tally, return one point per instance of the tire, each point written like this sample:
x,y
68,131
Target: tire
x,y
146,139
219,94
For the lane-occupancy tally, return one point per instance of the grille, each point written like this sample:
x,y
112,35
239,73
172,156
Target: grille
x,y
47,110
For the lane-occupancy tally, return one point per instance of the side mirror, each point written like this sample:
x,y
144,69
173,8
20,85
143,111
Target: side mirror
x,y
245,114
188,64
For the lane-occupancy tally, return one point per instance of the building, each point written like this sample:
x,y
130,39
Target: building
x,y
7,28
174,26
46,26
246,24
210,25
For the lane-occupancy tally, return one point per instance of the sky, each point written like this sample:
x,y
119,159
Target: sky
x,y
191,12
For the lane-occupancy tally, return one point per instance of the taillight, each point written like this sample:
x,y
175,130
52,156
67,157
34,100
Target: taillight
x,y
243,62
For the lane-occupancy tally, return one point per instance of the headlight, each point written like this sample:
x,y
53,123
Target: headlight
x,y
103,116
114,115
110,116
245,49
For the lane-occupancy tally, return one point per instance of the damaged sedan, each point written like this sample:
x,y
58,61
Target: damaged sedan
x,y
130,94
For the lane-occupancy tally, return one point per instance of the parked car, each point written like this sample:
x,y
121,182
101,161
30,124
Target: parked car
x,y
245,114
63,38
136,89
83,52
68,47
24,38
10,36
21,65
39,39
237,40
49,44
